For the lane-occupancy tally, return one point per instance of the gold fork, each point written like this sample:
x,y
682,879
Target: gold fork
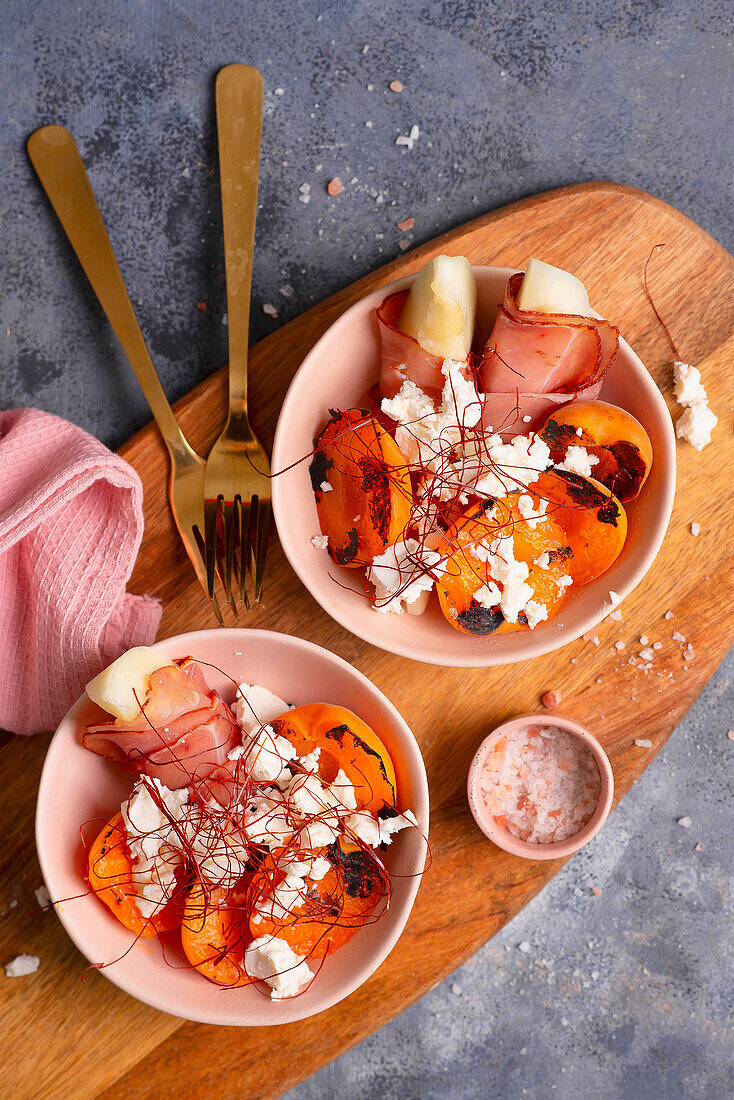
x,y
237,478
56,159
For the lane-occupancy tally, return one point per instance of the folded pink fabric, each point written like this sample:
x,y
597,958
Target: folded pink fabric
x,y
71,521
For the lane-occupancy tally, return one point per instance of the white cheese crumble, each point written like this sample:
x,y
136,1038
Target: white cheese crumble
x,y
266,754
424,431
320,542
21,966
401,575
698,420
255,706
374,830
515,464
153,841
695,529
325,487
516,595
272,960
578,461
527,510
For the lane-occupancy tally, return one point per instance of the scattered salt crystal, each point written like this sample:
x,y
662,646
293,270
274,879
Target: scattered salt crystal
x,y
689,653
286,290
631,660
578,892
456,989
185,173
225,318
684,822
526,419
320,542
643,743
646,654
564,1021
657,645
614,597
22,965
541,783
574,660
403,243
407,225
644,639
730,735
279,91
524,947
619,646
305,188
270,310
395,86
594,640
668,615
552,700
594,975
699,848
596,891
677,636
369,124
42,896
615,616
695,529
335,187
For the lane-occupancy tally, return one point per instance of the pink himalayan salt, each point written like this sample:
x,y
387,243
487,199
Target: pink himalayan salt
x,y
542,784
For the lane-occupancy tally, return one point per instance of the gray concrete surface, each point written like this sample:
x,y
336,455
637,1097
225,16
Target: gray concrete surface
x,y
623,995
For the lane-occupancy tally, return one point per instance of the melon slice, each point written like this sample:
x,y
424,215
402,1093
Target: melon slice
x,y
440,309
116,687
547,289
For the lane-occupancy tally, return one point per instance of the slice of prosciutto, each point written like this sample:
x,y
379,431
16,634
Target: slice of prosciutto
x,y
183,733
401,356
534,362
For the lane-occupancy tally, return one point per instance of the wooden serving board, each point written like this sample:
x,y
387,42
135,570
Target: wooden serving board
x,y
69,1040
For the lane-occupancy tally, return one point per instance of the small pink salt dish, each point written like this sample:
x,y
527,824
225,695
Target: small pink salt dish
x,y
79,788
501,836
337,373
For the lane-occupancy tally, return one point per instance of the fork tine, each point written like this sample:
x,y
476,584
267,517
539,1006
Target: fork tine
x,y
244,530
261,544
199,560
211,509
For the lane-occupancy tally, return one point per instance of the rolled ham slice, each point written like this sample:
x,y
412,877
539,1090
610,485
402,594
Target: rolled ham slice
x,y
534,362
183,734
401,356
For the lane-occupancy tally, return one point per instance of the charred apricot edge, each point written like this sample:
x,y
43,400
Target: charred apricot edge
x,y
110,874
612,434
593,520
334,909
215,933
368,505
464,572
347,743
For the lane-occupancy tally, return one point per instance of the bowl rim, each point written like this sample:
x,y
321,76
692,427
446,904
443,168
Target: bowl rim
x,y
556,849
485,657
287,1010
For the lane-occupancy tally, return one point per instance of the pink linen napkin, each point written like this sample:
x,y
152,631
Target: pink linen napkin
x,y
71,521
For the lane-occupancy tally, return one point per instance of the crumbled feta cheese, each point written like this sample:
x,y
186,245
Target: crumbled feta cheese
x,y
579,431
696,425
149,816
325,487
698,420
320,542
578,461
255,706
217,844
505,570
21,966
272,960
425,431
42,896
535,612
563,582
514,464
688,386
310,762
266,754
375,830
265,820
614,597
402,574
527,510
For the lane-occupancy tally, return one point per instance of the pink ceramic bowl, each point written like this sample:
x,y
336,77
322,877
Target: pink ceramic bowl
x,y
337,373
77,787
513,844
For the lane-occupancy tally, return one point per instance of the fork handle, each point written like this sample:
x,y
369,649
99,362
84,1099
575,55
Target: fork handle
x,y
239,96
56,159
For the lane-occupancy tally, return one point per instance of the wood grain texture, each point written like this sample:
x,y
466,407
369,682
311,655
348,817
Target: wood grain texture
x,y
73,1042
